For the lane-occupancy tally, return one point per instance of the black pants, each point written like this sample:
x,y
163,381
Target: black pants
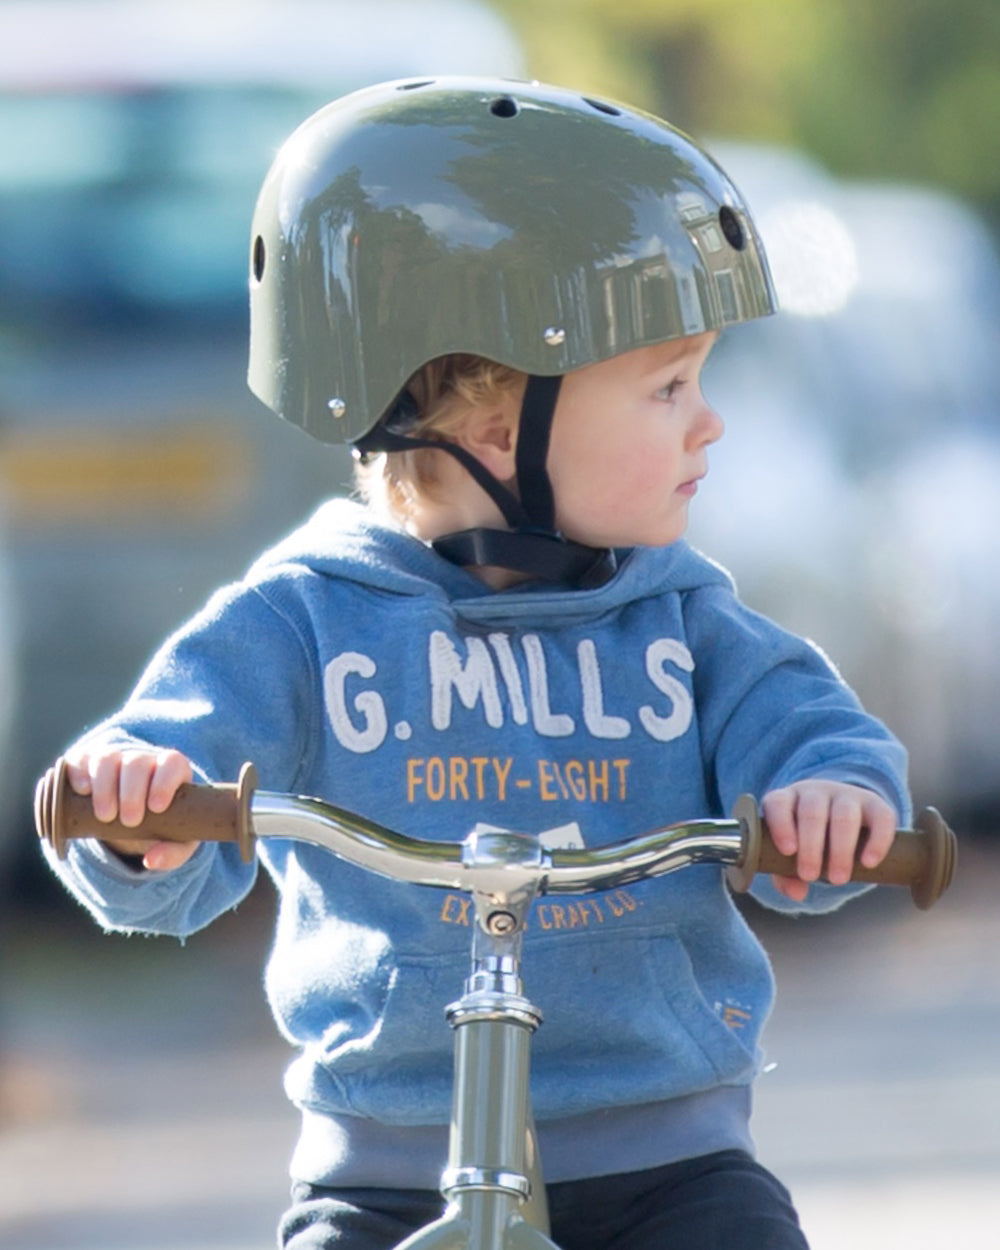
x,y
721,1201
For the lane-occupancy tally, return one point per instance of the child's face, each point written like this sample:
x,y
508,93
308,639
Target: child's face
x,y
629,443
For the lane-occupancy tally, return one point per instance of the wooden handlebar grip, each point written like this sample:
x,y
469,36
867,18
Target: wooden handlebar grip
x,y
198,813
922,858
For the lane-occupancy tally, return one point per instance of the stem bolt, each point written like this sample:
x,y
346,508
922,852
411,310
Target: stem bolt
x,y
501,923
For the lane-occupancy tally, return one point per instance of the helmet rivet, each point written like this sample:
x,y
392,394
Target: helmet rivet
x,y
337,408
554,336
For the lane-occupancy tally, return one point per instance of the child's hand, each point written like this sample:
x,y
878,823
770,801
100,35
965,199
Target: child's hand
x,y
817,819
124,785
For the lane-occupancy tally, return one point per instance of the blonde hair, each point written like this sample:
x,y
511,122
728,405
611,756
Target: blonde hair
x,y
445,391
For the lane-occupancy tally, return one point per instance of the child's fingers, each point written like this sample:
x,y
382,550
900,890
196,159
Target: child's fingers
x,y
791,887
812,811
880,820
163,856
133,787
821,823
845,829
123,786
779,811
78,773
105,773
778,808
172,770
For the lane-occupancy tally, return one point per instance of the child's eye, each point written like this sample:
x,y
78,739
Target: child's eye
x,y
670,390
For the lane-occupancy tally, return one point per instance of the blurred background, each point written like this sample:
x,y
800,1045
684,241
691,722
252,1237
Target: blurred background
x,y
854,498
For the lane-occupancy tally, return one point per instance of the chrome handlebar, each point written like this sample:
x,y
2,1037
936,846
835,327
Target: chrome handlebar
x,y
501,865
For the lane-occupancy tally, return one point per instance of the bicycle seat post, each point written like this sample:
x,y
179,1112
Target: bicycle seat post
x,y
492,1182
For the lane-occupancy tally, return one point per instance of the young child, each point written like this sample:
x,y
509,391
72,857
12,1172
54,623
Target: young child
x,y
503,295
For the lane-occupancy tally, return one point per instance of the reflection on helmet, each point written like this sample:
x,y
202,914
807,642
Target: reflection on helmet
x,y
516,221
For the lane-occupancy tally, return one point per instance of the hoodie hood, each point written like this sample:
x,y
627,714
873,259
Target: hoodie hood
x,y
342,540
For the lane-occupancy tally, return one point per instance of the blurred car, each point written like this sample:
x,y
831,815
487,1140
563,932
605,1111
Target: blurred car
x,y
855,494
138,470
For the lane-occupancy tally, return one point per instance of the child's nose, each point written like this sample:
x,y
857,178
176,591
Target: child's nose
x,y
707,427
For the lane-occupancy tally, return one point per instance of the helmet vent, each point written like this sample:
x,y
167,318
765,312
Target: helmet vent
x,y
732,228
413,86
258,258
602,107
504,106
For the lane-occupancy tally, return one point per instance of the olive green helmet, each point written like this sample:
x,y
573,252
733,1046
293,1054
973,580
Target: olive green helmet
x,y
525,223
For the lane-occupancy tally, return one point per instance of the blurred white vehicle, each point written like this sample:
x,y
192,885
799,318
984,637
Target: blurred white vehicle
x,y
138,469
856,495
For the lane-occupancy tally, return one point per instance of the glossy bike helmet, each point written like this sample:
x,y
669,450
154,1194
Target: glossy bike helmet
x,y
524,223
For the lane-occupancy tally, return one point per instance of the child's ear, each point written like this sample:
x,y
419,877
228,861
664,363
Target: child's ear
x,y
490,434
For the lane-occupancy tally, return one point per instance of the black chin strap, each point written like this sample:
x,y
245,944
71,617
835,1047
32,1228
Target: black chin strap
x,y
531,545
531,457
546,557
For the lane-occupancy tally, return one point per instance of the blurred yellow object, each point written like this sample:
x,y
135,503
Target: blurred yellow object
x,y
70,473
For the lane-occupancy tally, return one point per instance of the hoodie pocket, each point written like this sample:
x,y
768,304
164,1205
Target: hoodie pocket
x,y
627,1022
400,1070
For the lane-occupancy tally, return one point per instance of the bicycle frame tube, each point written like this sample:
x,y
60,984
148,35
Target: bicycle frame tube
x,y
493,1183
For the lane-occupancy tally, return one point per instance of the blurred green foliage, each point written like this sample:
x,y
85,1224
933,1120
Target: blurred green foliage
x,y
907,90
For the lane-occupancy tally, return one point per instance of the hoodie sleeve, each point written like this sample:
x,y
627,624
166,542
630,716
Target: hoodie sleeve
x,y
237,683
773,710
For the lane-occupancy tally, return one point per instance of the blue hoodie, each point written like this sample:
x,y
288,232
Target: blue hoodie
x,y
354,664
